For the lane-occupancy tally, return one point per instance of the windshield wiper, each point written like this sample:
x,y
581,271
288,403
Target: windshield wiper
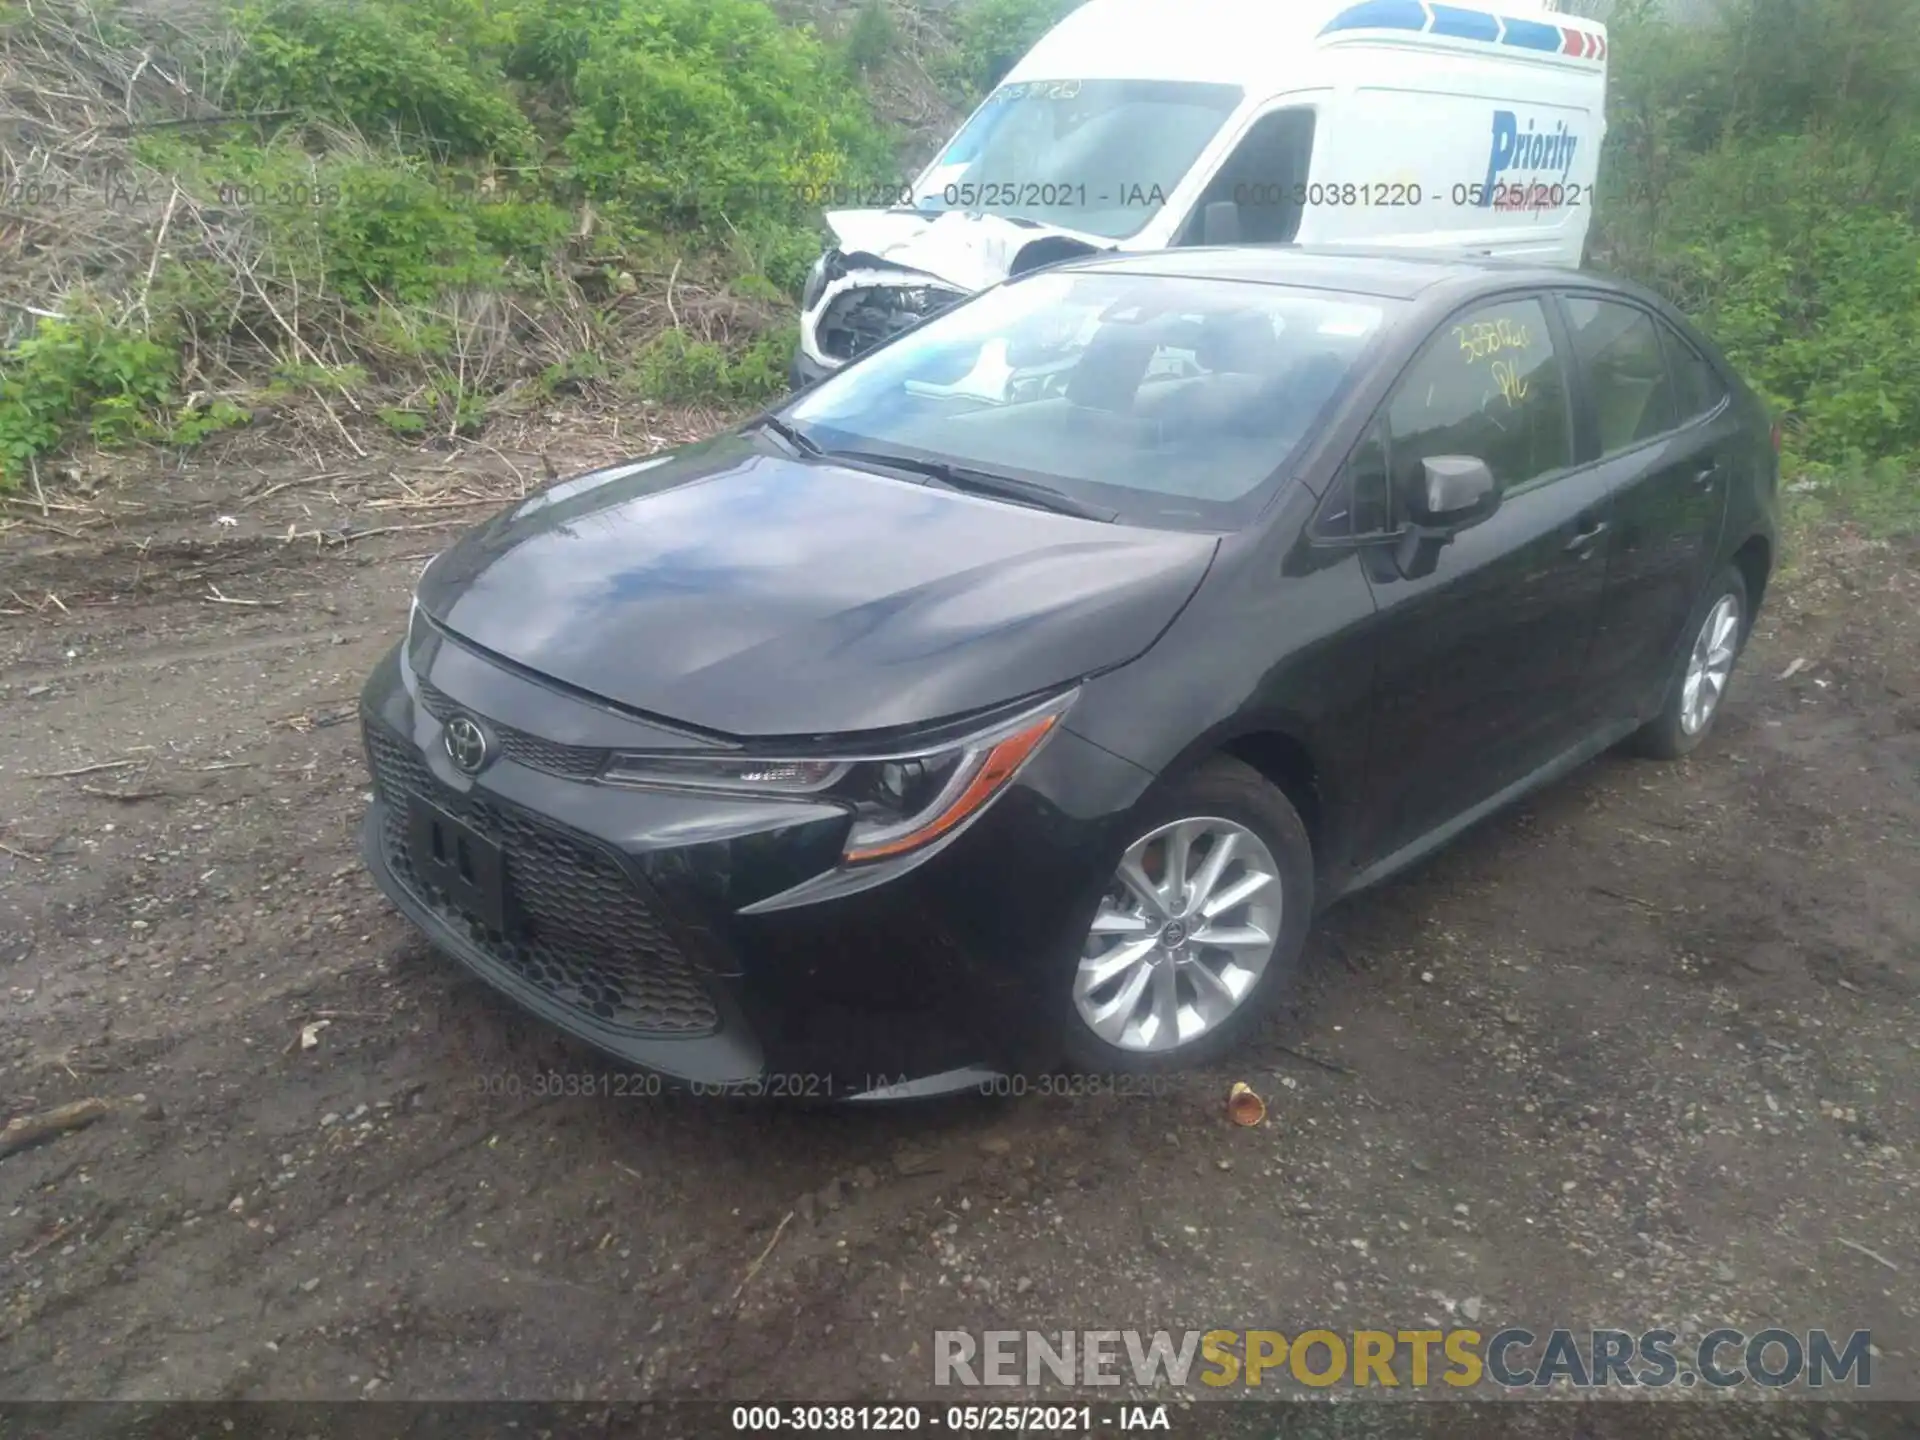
x,y
794,436
982,482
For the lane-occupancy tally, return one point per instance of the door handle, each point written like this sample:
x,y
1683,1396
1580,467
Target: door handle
x,y
1589,535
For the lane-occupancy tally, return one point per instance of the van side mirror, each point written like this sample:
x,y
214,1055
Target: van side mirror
x,y
1220,223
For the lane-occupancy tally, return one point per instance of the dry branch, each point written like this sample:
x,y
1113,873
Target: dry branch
x,y
34,1129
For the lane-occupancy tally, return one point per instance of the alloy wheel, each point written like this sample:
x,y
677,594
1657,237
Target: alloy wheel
x,y
1709,664
1182,935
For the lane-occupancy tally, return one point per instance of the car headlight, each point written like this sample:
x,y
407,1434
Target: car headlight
x,y
816,282
900,801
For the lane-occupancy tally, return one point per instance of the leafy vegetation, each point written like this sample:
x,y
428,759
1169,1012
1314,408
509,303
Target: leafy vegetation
x,y
994,34
390,71
89,376
1764,172
677,368
687,110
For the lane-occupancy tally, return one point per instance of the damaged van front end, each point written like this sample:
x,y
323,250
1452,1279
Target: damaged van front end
x,y
890,269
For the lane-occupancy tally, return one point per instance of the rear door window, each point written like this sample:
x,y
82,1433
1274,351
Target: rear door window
x,y
1698,388
1619,351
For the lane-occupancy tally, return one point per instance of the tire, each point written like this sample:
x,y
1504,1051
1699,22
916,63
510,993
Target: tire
x,y
1227,795
1667,736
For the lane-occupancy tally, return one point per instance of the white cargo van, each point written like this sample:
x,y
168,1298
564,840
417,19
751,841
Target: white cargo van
x,y
1146,124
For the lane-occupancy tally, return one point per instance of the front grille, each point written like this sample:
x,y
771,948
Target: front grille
x,y
587,935
576,762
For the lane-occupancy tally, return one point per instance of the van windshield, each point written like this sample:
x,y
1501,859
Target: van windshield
x,y
1098,156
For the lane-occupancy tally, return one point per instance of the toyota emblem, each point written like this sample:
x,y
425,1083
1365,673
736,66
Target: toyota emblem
x,y
466,744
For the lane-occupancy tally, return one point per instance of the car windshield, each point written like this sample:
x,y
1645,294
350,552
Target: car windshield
x,y
1098,156
1169,401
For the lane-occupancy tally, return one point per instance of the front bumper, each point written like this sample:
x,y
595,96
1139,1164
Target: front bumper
x,y
635,934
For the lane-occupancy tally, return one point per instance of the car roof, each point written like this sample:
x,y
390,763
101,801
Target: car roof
x,y
1358,270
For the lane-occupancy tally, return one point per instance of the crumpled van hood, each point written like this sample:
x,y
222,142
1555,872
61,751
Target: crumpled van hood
x,y
966,251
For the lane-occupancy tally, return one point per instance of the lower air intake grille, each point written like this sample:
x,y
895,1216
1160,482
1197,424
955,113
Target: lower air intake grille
x,y
588,937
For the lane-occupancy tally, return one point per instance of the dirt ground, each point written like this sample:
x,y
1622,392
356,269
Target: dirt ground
x,y
1640,1052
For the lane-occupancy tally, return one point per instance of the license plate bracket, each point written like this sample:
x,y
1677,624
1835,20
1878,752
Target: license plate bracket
x,y
461,862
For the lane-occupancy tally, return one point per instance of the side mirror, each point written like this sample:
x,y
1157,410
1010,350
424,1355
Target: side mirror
x,y
1457,489
1220,223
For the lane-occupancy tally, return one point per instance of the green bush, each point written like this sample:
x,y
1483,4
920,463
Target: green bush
x,y
693,111
780,251
87,375
676,369
549,38
1763,171
994,34
383,69
370,226
871,38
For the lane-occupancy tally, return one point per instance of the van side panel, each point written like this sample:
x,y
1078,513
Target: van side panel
x,y
1493,157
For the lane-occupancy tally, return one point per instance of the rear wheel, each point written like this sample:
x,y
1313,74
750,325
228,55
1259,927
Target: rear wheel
x,y
1199,929
1699,680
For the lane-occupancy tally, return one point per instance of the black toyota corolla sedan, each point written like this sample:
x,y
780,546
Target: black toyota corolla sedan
x,y
1016,696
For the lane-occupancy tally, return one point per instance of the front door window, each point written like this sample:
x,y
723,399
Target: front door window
x,y
1264,178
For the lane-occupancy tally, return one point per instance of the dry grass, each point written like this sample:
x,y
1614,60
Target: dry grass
x,y
75,209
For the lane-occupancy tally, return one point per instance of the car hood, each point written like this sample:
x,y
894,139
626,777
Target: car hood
x,y
967,251
744,593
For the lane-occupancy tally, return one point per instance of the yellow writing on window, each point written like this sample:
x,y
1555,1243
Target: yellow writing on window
x,y
1491,337
1512,383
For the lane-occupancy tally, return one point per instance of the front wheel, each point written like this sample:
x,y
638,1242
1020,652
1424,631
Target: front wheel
x,y
1197,932
1719,629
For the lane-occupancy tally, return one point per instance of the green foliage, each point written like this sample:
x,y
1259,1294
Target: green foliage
x,y
387,69
404,241
1764,173
409,332
1771,67
294,377
871,38
994,34
551,37
402,422
691,111
754,286
87,375
522,230
575,373
454,407
679,370
1881,496
373,227
779,251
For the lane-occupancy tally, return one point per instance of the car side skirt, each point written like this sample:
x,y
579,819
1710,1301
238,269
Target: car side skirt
x,y
1598,743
